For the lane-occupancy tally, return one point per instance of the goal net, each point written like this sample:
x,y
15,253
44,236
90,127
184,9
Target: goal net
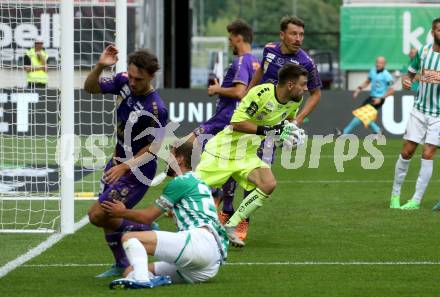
x,y
30,116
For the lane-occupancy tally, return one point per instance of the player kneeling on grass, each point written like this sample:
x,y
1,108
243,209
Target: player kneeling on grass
x,y
194,253
233,151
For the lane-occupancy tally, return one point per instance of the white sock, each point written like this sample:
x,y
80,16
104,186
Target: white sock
x,y
423,179
399,175
137,255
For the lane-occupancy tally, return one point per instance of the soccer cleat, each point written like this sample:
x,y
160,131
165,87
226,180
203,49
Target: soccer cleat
x,y
395,201
233,238
242,229
223,217
410,205
112,272
128,283
436,207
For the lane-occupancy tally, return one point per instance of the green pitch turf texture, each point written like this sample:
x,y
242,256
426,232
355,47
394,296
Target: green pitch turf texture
x,y
322,234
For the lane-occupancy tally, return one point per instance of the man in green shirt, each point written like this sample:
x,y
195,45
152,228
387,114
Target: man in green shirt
x,y
194,253
424,123
233,151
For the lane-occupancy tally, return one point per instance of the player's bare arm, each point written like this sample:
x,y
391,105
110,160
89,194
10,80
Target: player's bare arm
x,y
142,157
245,127
236,92
255,79
407,80
117,209
309,106
109,57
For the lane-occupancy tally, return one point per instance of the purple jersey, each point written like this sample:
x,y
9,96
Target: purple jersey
x,y
133,110
273,60
240,71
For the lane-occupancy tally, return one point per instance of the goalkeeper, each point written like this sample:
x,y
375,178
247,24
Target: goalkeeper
x,y
233,151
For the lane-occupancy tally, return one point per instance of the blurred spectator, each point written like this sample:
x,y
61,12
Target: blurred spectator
x,y
381,87
35,64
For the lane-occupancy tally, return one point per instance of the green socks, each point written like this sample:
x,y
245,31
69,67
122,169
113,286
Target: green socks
x,y
251,203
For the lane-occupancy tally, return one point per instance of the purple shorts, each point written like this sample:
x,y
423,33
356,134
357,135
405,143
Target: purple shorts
x,y
128,188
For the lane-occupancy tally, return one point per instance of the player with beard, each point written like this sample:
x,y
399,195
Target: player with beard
x,y
424,122
275,55
233,151
192,254
126,175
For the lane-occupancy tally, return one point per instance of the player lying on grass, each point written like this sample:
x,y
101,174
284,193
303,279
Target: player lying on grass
x,y
233,151
194,253
139,107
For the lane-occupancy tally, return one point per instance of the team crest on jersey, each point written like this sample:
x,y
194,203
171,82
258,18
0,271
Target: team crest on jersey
x,y
269,106
280,61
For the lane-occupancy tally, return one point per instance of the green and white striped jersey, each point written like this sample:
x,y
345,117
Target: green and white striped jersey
x,y
192,205
427,64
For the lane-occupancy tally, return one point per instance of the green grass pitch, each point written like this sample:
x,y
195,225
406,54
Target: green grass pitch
x,y
323,233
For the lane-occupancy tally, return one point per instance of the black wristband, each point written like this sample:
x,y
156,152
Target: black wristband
x,y
264,130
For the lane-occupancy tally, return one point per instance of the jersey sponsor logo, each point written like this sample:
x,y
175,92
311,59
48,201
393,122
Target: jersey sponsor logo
x,y
430,76
293,61
252,109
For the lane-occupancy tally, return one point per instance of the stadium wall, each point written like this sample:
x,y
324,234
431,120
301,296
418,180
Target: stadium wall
x,y
188,107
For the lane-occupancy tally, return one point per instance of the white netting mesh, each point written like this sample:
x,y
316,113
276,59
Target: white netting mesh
x,y
30,117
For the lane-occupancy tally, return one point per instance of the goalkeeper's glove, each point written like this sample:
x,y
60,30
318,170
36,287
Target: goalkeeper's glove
x,y
295,139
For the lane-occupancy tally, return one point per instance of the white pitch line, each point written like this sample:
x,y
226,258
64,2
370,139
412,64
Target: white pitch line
x,y
340,181
32,253
307,263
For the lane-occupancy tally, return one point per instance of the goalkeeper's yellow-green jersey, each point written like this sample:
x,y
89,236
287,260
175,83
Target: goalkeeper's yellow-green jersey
x,y
261,107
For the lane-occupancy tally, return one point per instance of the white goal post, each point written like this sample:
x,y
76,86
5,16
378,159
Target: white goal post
x,y
54,140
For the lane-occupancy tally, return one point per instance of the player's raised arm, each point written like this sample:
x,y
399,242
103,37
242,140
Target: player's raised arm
x,y
108,58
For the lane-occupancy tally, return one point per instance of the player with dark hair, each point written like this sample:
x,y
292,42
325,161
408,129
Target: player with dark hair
x,y
424,123
191,255
126,176
233,151
275,55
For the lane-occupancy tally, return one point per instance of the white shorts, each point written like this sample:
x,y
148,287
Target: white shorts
x,y
422,128
187,256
